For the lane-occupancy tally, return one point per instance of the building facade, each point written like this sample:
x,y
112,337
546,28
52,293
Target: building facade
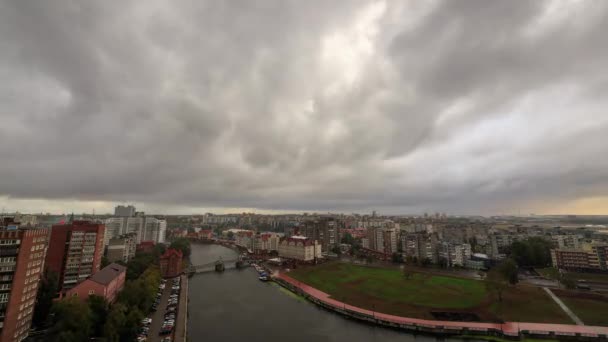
x,y
299,248
106,283
146,228
590,258
22,256
122,248
75,251
325,231
171,263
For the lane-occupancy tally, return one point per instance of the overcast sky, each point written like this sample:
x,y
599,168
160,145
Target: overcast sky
x,y
476,107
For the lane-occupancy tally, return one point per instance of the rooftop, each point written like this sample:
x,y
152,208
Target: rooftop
x,y
108,273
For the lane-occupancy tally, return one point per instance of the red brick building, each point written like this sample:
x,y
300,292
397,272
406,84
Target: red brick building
x,y
22,253
75,251
106,283
171,263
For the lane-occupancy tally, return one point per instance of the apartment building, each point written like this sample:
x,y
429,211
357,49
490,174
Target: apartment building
x,y
122,248
22,256
75,251
146,228
589,258
299,248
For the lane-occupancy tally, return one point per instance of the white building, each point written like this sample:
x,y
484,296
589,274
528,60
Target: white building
x,y
299,248
146,228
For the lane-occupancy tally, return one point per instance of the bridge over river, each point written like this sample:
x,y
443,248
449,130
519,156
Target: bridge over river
x,y
219,265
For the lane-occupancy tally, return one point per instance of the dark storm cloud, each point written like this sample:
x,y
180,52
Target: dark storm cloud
x,y
461,106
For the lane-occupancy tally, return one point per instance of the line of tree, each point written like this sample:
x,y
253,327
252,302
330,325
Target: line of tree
x,y
532,252
183,245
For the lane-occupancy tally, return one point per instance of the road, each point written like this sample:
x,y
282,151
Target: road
x,y
158,316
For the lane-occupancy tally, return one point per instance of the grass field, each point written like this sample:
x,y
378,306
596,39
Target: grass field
x,y
591,308
387,290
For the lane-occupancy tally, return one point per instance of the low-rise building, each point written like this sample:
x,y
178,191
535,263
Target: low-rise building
x,y
299,248
171,263
106,283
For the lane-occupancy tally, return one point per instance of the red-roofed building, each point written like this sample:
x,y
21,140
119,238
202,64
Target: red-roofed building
x,y
145,247
299,248
205,234
171,263
106,283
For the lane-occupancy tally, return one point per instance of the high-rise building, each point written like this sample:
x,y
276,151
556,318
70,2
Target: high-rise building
x,y
325,231
124,211
22,254
75,251
147,228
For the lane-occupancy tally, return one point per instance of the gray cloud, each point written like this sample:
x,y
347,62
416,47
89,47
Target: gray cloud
x,y
467,106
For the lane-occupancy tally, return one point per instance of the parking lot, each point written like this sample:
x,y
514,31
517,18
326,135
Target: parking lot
x,y
163,319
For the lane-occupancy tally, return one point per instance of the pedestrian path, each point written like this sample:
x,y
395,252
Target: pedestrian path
x,y
564,307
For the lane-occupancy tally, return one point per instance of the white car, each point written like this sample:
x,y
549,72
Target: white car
x,y
146,320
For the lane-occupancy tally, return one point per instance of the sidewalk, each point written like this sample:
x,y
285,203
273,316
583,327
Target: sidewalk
x,y
564,307
182,312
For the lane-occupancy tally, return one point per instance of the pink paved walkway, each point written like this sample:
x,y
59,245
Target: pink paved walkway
x,y
508,328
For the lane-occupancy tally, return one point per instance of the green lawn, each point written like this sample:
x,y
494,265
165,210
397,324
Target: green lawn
x,y
387,290
591,308
529,304
346,280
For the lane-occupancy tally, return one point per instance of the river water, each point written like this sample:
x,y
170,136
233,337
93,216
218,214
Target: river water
x,y
236,306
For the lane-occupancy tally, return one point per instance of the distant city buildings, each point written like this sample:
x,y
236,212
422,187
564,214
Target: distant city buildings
x,y
127,220
22,254
124,211
106,283
75,251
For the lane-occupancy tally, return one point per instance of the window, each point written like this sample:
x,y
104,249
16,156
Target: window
x,y
91,292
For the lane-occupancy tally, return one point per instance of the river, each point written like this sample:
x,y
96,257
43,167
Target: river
x,y
236,306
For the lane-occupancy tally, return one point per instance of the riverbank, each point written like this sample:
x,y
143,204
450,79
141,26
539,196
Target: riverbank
x,y
509,330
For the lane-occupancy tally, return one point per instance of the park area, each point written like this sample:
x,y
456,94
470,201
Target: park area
x,y
430,296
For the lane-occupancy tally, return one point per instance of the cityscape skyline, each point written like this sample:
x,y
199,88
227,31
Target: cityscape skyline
x,y
395,106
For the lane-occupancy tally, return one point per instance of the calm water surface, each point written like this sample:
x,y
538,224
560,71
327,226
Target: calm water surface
x,y
236,306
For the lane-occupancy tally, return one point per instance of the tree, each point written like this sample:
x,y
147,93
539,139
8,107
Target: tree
x,y
115,322
230,235
183,245
348,239
397,258
99,313
49,286
426,262
443,262
535,252
568,281
495,283
72,320
508,270
336,250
